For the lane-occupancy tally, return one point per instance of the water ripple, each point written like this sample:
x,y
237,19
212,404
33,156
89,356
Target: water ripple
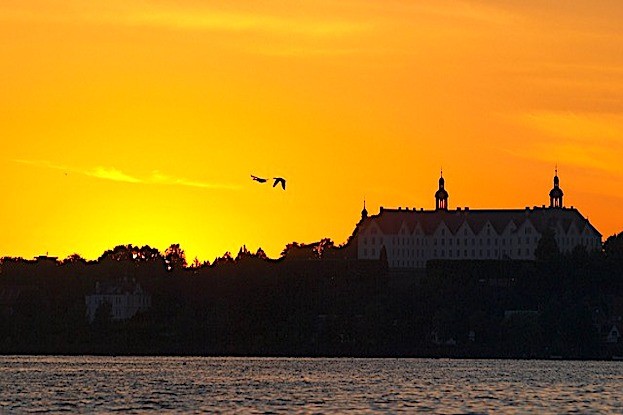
x,y
143,385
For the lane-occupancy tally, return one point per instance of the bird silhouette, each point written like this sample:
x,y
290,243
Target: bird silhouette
x,y
258,179
280,180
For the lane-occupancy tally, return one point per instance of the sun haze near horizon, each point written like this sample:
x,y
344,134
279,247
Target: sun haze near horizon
x,y
127,122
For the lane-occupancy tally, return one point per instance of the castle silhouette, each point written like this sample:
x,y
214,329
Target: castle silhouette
x,y
411,237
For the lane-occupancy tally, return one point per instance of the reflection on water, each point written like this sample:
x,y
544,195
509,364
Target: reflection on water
x,y
267,385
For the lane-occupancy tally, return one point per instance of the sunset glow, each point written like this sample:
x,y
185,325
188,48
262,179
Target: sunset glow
x,y
140,122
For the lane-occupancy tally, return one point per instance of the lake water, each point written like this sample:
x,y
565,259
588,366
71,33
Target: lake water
x,y
274,385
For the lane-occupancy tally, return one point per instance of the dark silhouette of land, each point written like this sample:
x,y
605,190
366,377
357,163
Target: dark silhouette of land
x,y
316,300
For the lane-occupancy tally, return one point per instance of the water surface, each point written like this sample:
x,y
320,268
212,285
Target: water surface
x,y
283,385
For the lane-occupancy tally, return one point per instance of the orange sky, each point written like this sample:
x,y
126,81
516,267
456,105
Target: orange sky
x,y
138,121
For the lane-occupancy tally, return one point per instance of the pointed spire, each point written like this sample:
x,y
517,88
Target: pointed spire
x,y
364,212
556,194
441,196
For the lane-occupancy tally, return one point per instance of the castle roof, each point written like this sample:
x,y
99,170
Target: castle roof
x,y
390,221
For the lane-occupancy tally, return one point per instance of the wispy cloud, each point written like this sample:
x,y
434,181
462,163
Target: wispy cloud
x,y
241,22
587,140
110,173
160,178
591,128
114,174
176,16
463,10
44,163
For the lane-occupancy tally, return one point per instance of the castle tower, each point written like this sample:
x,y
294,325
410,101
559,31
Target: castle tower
x,y
364,212
555,195
441,195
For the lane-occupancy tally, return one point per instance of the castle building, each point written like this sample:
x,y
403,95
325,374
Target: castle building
x,y
411,237
125,299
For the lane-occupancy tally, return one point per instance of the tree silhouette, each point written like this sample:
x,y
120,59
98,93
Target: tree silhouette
x,y
289,247
320,247
196,263
146,253
613,247
547,248
383,258
73,259
174,258
103,314
243,253
118,253
261,254
227,258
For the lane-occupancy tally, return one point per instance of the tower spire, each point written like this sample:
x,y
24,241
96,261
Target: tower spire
x,y
441,195
556,194
364,212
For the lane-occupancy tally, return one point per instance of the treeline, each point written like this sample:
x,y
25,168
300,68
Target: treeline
x,y
316,300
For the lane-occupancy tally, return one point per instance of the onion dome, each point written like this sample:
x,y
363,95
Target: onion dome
x,y
556,194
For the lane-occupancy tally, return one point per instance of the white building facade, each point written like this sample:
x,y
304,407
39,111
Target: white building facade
x,y
412,237
125,299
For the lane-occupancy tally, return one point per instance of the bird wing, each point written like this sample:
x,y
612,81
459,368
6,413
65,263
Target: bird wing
x,y
280,180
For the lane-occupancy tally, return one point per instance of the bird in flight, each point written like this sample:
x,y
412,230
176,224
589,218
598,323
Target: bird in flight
x,y
258,179
280,180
